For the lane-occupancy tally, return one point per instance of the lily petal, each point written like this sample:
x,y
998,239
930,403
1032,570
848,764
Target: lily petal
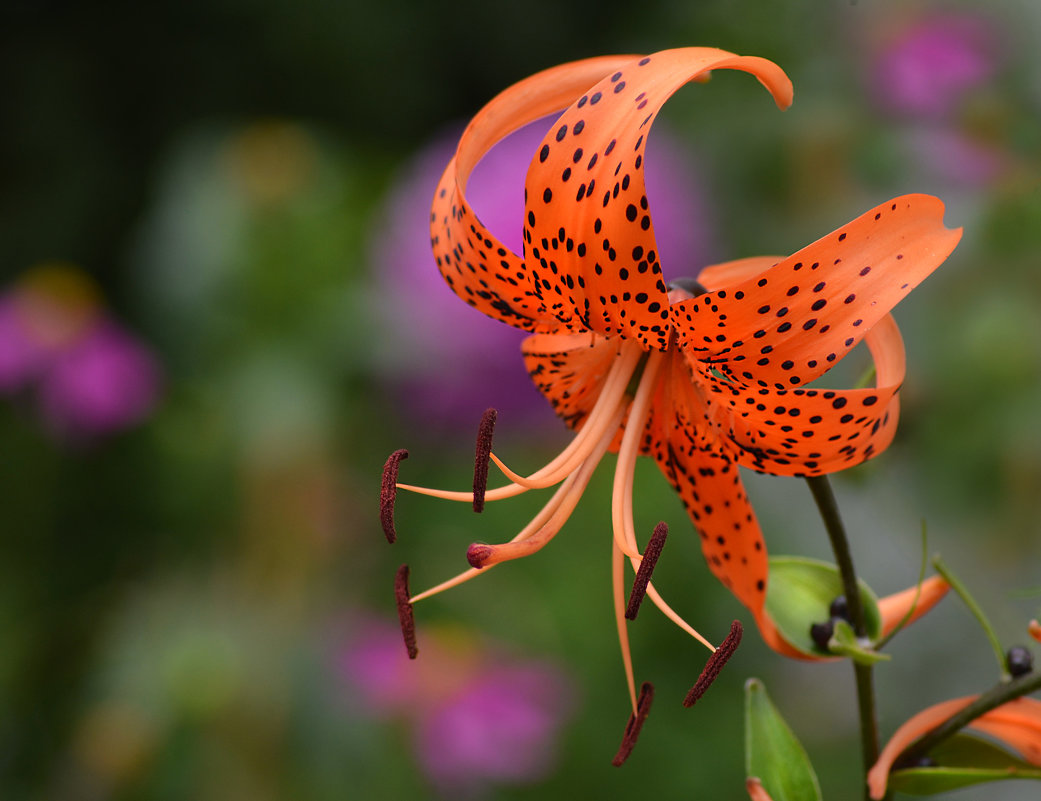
x,y
720,276
806,432
894,608
474,262
1017,724
589,241
815,306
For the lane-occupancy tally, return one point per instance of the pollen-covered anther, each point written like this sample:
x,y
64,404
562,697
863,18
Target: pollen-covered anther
x,y
635,723
483,451
1035,630
715,664
643,575
389,493
405,616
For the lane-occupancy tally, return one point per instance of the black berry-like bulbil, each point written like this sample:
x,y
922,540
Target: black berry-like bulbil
x,y
821,633
840,608
1020,660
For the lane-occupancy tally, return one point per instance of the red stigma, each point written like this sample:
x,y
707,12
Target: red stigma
x,y
477,554
643,575
632,728
484,448
389,493
408,622
715,664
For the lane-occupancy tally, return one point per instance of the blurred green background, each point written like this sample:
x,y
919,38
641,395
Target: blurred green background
x,y
179,597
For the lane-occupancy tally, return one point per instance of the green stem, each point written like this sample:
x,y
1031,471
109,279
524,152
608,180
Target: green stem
x,y
1002,693
829,511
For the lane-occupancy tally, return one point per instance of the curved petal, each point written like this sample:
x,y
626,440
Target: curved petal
x,y
478,267
589,242
1017,724
720,276
807,432
815,306
894,608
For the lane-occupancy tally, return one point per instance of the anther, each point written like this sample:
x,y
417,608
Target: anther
x,y
643,575
389,492
715,664
1035,630
484,448
407,620
635,723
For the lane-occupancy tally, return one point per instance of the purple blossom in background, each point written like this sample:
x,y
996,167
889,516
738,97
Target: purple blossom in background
x,y
88,376
105,382
460,361
499,729
478,718
929,67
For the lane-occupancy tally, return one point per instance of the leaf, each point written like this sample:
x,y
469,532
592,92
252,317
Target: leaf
x,y
772,752
845,643
962,761
799,594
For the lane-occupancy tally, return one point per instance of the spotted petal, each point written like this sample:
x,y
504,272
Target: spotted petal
x,y
589,240
570,370
806,432
474,262
812,308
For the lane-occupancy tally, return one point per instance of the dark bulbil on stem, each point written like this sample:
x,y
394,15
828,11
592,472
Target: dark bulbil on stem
x,y
635,723
484,448
715,664
643,575
389,493
1019,660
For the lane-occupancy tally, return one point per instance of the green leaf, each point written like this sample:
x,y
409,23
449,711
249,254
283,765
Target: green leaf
x,y
772,752
962,761
846,643
799,593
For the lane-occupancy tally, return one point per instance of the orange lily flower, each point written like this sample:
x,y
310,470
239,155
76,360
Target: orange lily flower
x,y
1017,724
703,376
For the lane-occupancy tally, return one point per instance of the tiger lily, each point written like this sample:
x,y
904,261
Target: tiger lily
x,y
1016,724
704,376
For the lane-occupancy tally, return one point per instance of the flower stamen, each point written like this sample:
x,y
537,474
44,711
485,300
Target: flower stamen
x,y
634,724
715,664
405,616
484,448
543,528
388,493
600,420
647,563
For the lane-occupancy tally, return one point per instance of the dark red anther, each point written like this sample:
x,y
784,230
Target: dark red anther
x,y
389,492
643,575
484,448
715,664
408,622
632,728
